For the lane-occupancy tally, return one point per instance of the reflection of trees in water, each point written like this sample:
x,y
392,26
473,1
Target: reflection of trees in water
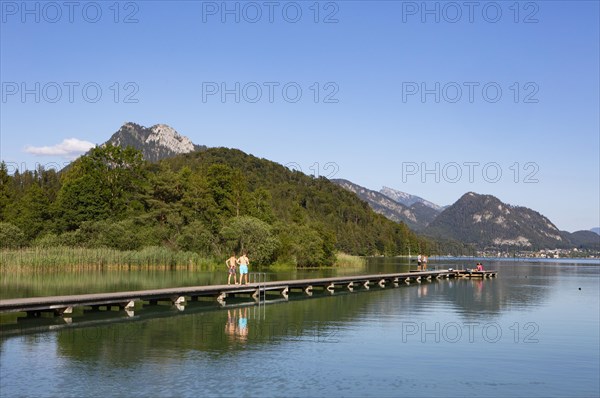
x,y
213,332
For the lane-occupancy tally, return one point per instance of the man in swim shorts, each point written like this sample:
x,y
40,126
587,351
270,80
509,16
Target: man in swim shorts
x,y
231,265
243,262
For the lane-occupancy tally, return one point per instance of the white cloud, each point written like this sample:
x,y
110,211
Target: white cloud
x,y
70,148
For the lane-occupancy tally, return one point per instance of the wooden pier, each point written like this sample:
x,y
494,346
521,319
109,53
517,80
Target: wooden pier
x,y
61,305
476,274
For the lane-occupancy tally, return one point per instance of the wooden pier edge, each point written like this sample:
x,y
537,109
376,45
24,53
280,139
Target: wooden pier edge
x,y
60,305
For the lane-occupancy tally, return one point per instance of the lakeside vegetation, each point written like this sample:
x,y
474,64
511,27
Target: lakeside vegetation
x,y
196,208
81,258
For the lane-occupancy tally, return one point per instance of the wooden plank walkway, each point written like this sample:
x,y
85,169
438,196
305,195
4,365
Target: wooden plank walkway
x,y
60,305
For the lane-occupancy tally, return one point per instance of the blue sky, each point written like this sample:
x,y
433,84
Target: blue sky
x,y
432,98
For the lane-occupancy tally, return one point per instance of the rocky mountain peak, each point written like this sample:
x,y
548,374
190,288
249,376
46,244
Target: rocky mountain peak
x,y
157,142
166,136
486,221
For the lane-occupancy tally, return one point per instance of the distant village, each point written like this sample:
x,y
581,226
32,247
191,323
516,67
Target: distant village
x,y
544,253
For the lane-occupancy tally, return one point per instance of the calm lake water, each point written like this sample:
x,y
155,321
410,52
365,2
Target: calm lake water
x,y
534,331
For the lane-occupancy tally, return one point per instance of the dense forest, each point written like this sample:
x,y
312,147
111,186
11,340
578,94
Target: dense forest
x,y
210,202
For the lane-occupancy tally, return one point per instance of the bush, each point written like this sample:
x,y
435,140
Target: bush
x,y
11,236
303,246
196,238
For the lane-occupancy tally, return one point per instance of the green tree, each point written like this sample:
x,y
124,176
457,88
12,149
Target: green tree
x,y
102,184
195,237
31,212
250,234
5,189
220,184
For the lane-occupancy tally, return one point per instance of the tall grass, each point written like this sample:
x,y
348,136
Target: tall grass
x,y
344,260
74,258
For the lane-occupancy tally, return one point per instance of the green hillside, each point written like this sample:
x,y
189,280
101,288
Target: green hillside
x,y
210,202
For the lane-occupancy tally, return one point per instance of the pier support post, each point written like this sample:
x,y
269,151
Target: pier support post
x,y
308,290
366,284
418,279
350,286
128,305
177,300
284,292
62,311
381,283
407,281
221,298
331,288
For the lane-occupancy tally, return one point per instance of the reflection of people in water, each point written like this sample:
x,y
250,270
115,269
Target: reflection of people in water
x,y
230,325
242,330
477,285
422,292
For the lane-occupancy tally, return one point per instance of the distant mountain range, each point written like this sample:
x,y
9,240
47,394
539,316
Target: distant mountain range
x,y
157,142
480,220
415,215
382,204
596,230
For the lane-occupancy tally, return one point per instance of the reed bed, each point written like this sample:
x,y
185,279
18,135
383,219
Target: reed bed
x,y
74,258
344,260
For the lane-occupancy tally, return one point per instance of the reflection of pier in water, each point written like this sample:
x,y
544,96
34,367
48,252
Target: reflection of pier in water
x,y
94,318
63,305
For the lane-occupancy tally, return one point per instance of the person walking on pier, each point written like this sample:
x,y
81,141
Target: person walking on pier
x,y
243,262
231,269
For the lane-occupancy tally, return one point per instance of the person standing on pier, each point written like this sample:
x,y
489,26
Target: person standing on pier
x,y
231,268
243,262
424,263
419,262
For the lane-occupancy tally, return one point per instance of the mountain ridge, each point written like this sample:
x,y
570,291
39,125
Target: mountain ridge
x,y
408,199
380,203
